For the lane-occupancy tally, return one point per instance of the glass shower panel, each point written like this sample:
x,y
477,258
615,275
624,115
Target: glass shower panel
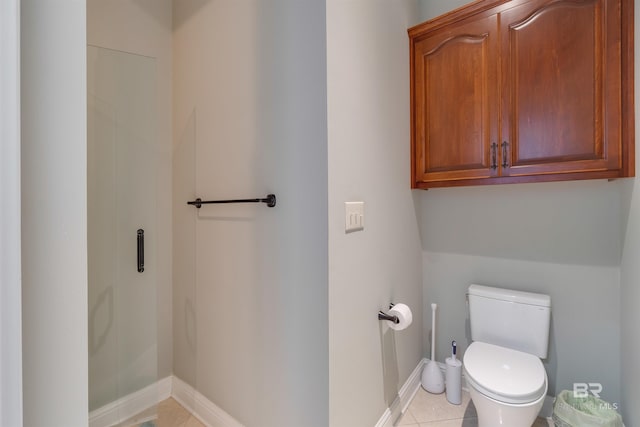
x,y
185,336
121,237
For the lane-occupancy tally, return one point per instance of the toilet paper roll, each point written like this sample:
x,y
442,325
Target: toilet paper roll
x,y
453,380
403,313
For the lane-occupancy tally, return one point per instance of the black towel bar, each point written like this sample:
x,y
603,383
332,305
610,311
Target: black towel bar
x,y
270,200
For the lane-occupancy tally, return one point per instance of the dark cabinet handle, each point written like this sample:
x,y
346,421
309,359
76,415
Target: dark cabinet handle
x,y
505,163
494,154
140,250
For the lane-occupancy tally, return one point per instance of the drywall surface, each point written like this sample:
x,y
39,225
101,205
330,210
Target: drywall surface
x,y
250,288
144,27
584,343
368,116
559,222
431,8
54,213
630,276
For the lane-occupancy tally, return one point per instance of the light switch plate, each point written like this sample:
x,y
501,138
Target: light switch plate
x,y
354,216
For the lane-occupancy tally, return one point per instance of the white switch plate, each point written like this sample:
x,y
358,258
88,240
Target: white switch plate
x,y
354,216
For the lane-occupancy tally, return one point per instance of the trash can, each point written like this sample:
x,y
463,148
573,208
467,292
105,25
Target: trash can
x,y
589,411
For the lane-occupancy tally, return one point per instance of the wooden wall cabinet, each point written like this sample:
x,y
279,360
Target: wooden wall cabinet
x,y
523,91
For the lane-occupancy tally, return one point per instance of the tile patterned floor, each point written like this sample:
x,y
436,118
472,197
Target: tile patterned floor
x,y
425,410
172,414
433,410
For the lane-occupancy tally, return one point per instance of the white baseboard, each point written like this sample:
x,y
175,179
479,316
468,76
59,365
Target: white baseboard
x,y
213,416
128,406
202,408
133,404
403,399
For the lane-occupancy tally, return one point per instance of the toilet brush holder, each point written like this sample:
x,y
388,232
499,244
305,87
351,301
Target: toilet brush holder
x,y
453,380
432,379
453,376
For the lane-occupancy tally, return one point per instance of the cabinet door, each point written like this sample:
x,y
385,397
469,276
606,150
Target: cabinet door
x,y
561,87
455,103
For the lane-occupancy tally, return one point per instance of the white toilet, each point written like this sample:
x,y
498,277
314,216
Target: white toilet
x,y
504,373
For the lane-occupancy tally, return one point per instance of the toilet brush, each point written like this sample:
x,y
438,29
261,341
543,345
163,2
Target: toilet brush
x,y
432,378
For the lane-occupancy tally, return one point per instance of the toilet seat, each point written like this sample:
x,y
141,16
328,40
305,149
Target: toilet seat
x,y
503,374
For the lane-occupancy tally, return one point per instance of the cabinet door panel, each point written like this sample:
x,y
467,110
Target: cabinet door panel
x,y
455,102
560,110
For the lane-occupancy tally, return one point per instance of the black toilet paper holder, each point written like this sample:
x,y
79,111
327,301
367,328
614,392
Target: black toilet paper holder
x,y
384,316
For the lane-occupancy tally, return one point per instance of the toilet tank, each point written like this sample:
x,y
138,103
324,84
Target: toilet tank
x,y
512,319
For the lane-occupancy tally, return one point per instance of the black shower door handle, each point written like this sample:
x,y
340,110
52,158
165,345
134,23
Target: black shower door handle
x,y
140,250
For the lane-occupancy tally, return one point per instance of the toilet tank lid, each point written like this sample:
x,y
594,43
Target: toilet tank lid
x,y
510,295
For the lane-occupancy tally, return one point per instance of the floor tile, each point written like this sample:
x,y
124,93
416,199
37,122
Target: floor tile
x,y
171,414
541,422
427,407
465,422
193,422
407,420
433,410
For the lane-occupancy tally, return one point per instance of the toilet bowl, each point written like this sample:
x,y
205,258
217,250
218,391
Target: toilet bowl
x,y
507,386
502,366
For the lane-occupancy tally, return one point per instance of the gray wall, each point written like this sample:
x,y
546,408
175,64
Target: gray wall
x,y
585,329
368,105
250,288
54,213
630,276
564,239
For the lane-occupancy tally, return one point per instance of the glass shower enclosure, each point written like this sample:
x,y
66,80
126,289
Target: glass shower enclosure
x,y
121,163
